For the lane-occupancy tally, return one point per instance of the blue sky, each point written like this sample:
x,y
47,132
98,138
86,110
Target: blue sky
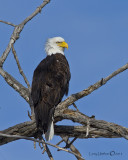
x,y
97,34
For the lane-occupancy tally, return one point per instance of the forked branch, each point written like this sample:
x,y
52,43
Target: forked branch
x,y
18,29
39,141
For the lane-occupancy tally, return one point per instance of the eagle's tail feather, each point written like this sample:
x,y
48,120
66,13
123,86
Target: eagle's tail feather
x,y
50,132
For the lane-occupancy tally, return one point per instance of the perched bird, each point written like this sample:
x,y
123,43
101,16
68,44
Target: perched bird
x,y
50,83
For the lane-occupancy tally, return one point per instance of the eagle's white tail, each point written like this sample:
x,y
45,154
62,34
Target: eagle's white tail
x,y
50,132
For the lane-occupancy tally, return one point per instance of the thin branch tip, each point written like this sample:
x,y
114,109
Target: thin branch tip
x,y
8,23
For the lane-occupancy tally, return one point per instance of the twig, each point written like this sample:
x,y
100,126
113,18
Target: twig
x,y
46,149
40,141
59,142
9,23
38,10
17,31
34,145
19,67
88,128
75,106
49,153
70,143
72,147
29,115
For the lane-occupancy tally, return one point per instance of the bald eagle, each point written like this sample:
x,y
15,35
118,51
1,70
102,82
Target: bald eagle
x,y
50,83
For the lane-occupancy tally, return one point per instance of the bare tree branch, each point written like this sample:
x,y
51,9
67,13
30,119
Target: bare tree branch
x,y
18,29
83,119
74,97
98,129
60,142
40,141
19,67
72,147
46,149
24,92
48,152
38,10
68,144
9,23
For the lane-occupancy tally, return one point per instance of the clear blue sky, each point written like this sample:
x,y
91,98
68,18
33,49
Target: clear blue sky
x,y
97,34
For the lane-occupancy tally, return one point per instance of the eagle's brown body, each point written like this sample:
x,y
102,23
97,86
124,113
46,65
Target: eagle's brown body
x,y
50,83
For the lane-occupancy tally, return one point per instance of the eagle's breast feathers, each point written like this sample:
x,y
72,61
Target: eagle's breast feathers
x,y
50,83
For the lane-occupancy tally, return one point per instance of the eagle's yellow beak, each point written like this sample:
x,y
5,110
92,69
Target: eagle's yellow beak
x,y
63,44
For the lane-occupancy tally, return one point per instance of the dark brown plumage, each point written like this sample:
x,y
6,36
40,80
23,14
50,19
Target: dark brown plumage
x,y
50,83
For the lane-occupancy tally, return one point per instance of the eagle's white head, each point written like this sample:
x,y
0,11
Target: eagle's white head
x,y
55,45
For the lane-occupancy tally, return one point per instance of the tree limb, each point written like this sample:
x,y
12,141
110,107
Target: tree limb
x,y
40,141
18,29
74,97
24,92
19,67
98,129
